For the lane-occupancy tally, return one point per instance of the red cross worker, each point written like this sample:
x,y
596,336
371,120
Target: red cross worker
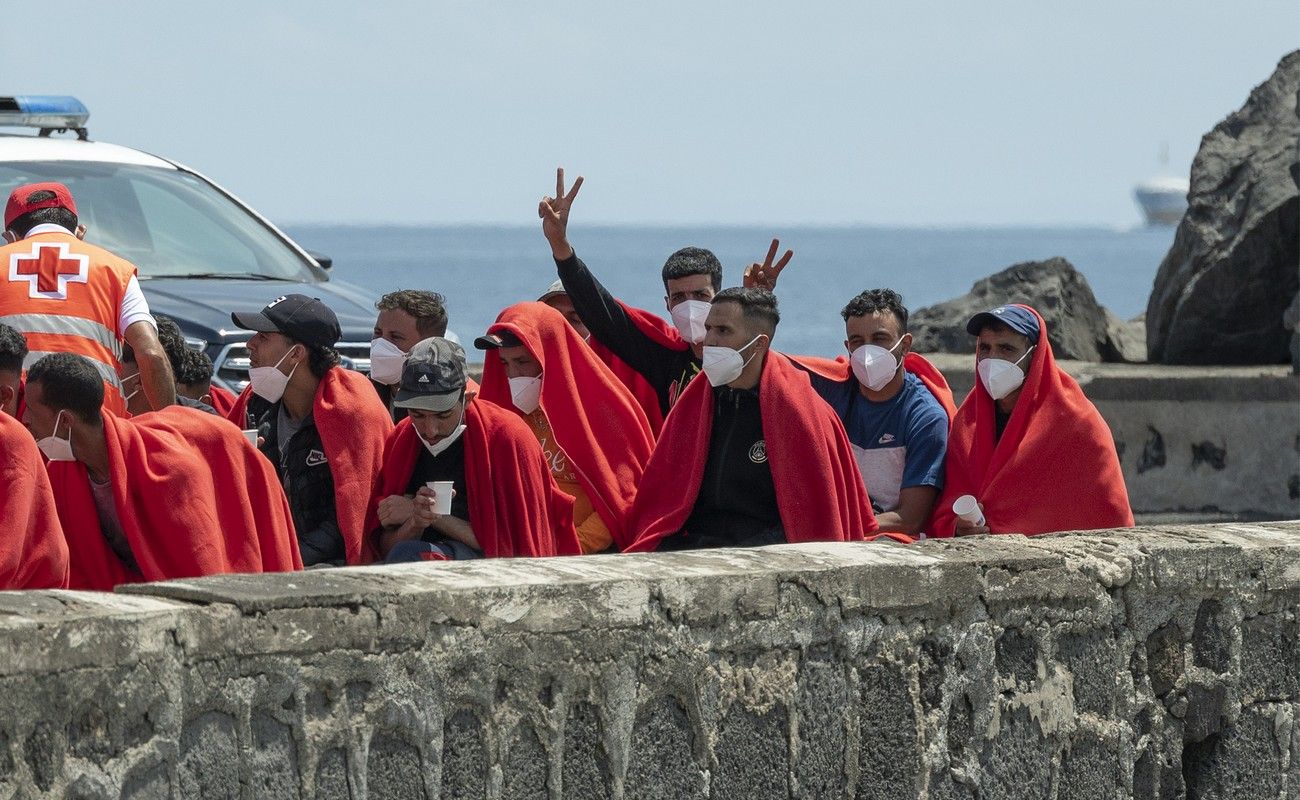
x,y
67,296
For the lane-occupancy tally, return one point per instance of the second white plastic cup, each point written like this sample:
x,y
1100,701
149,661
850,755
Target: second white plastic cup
x,y
968,508
442,500
252,436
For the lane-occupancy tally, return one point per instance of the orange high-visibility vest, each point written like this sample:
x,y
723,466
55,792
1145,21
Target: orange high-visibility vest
x,y
65,296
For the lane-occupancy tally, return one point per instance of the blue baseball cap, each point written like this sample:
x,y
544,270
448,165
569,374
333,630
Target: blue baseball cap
x,y
1017,318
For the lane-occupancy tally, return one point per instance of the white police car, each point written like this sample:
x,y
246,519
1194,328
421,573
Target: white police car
x,y
201,253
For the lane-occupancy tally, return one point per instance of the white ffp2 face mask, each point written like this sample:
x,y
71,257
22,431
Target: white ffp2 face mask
x,y
386,362
269,382
54,448
722,365
1001,378
446,441
874,366
526,393
688,318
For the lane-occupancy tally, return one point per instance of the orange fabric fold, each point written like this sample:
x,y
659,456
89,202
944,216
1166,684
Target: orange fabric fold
x,y
1055,467
515,506
353,426
33,552
819,491
193,498
601,428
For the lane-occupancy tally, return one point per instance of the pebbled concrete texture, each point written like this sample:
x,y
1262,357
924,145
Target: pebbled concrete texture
x,y
1154,662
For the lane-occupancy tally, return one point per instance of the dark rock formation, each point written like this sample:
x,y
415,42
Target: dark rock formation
x,y
1234,266
1078,326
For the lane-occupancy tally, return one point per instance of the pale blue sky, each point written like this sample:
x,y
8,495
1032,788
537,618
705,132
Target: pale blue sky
x,y
930,113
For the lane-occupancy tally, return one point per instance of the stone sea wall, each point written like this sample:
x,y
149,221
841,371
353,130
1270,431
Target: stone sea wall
x,y
1157,662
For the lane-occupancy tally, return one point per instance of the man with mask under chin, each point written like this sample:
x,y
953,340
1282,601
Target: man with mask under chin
x,y
500,498
750,455
1026,443
322,426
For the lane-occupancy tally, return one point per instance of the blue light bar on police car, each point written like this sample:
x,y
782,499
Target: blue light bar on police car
x,y
43,111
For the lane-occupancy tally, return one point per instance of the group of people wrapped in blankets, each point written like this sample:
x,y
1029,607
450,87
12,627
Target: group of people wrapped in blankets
x,y
596,427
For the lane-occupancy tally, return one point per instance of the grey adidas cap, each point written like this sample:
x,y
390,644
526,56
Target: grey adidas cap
x,y
433,377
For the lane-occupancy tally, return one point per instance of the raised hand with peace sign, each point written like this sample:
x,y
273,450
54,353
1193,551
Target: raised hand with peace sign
x,y
763,276
554,212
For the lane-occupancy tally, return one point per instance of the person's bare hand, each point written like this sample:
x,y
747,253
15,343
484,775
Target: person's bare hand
x,y
554,212
395,510
764,275
422,514
965,528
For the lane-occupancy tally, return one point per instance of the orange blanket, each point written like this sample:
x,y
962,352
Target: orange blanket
x,y
192,496
596,421
819,490
1055,467
515,507
353,426
33,553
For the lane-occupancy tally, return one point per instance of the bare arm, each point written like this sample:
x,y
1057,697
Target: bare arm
x,y
914,506
156,376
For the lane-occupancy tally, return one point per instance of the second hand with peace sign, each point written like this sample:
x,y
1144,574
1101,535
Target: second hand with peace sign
x,y
763,276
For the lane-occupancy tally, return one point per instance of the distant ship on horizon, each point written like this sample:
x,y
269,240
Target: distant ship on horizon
x,y
1163,199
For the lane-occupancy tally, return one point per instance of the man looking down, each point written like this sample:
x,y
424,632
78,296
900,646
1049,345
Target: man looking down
x,y
504,501
174,493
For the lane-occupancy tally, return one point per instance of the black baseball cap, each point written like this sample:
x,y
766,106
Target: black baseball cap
x,y
433,377
1017,318
301,318
491,341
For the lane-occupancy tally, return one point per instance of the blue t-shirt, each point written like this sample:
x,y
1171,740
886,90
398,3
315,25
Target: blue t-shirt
x,y
899,443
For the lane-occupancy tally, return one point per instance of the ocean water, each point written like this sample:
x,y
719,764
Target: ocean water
x,y
483,269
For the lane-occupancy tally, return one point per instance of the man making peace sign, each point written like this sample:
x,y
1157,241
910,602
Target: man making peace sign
x,y
667,357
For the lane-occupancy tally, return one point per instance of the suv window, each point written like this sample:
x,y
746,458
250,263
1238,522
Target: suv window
x,y
167,222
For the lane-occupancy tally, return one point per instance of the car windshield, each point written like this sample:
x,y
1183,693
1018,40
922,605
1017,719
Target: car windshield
x,y
167,222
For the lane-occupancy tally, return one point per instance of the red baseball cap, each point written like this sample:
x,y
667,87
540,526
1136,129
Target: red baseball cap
x,y
19,204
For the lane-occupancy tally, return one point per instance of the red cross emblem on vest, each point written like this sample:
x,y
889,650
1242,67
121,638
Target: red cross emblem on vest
x,y
48,269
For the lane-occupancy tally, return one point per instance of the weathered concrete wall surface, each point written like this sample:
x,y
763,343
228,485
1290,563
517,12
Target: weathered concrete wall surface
x,y
1192,439
1159,662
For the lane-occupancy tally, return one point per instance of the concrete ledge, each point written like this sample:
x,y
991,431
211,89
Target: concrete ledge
x,y
1151,662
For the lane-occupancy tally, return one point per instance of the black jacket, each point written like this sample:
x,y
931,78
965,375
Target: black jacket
x,y
666,370
736,505
304,473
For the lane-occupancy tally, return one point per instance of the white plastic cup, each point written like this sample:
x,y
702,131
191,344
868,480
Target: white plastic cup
x,y
968,508
442,496
251,435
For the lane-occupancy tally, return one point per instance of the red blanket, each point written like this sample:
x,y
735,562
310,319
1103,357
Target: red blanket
x,y
1055,467
192,496
222,400
515,507
353,426
641,390
839,370
819,490
596,421
33,553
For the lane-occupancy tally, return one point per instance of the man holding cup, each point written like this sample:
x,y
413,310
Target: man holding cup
x,y
1028,452
462,479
